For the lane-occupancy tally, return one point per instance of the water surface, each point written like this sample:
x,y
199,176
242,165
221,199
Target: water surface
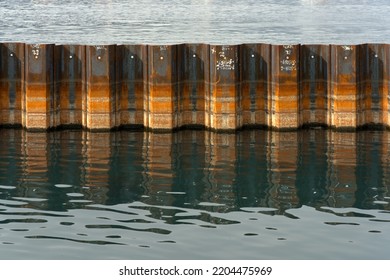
x,y
257,194
194,194
195,21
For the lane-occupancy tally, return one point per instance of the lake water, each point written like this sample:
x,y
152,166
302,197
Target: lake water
x,y
256,194
195,21
312,194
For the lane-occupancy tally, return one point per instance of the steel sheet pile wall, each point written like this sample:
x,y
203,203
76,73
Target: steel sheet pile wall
x,y
221,87
69,85
11,83
39,87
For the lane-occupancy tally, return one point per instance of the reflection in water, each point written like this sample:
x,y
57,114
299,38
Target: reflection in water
x,y
194,194
201,169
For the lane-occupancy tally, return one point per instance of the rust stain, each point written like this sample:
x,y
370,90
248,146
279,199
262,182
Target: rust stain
x,y
222,87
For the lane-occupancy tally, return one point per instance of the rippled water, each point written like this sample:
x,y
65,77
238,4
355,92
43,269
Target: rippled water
x,y
194,194
312,194
195,21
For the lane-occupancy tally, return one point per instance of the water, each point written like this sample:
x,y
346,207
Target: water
x,y
195,21
194,194
256,194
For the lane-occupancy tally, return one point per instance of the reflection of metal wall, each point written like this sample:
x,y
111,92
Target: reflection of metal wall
x,y
225,171
221,87
221,151
371,168
158,171
252,167
342,158
312,180
283,161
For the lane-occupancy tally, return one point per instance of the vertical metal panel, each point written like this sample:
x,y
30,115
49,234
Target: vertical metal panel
x,y
100,75
373,76
69,66
132,71
344,86
193,63
255,77
314,91
224,87
11,83
162,80
39,101
285,86
386,86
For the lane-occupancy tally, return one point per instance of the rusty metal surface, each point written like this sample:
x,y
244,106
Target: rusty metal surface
x,y
100,87
373,85
132,78
255,62
39,88
11,83
69,91
314,85
224,87
193,64
162,87
285,86
344,89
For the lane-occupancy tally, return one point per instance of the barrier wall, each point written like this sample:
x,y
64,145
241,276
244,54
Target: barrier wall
x,y
221,87
69,63
11,83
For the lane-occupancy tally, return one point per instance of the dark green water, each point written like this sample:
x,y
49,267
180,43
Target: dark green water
x,y
311,194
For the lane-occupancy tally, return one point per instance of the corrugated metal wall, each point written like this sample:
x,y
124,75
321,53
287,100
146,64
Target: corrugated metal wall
x,y
222,87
